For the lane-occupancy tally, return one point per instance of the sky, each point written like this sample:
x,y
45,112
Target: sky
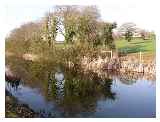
x,y
142,13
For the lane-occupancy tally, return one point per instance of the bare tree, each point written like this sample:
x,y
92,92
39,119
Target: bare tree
x,y
127,30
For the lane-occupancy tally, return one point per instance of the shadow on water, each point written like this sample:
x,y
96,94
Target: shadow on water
x,y
61,92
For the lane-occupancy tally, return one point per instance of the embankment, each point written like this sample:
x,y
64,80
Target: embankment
x,y
120,64
14,109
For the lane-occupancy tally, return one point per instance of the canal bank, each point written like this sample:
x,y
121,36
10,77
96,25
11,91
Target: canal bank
x,y
129,63
15,109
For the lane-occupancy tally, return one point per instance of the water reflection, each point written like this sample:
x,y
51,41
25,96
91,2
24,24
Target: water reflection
x,y
76,92
12,82
73,92
65,92
60,82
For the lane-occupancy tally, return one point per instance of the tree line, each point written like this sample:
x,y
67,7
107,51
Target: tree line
x,y
78,24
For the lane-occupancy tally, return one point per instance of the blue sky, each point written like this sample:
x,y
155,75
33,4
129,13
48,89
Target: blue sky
x,y
18,12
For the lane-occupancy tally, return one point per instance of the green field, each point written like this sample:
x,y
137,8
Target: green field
x,y
136,45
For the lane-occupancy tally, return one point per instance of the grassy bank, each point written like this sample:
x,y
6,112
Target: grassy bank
x,y
136,45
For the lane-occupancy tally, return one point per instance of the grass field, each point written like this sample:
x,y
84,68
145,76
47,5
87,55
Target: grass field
x,y
132,48
136,45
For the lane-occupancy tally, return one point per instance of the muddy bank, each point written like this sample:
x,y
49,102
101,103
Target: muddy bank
x,y
14,109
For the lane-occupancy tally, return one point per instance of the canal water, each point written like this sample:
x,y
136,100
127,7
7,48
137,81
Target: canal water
x,y
55,91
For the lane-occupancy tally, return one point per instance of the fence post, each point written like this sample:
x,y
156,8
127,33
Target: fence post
x,y
111,53
140,56
108,52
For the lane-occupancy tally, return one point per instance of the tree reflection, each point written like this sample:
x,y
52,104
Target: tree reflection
x,y
73,91
13,82
80,92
